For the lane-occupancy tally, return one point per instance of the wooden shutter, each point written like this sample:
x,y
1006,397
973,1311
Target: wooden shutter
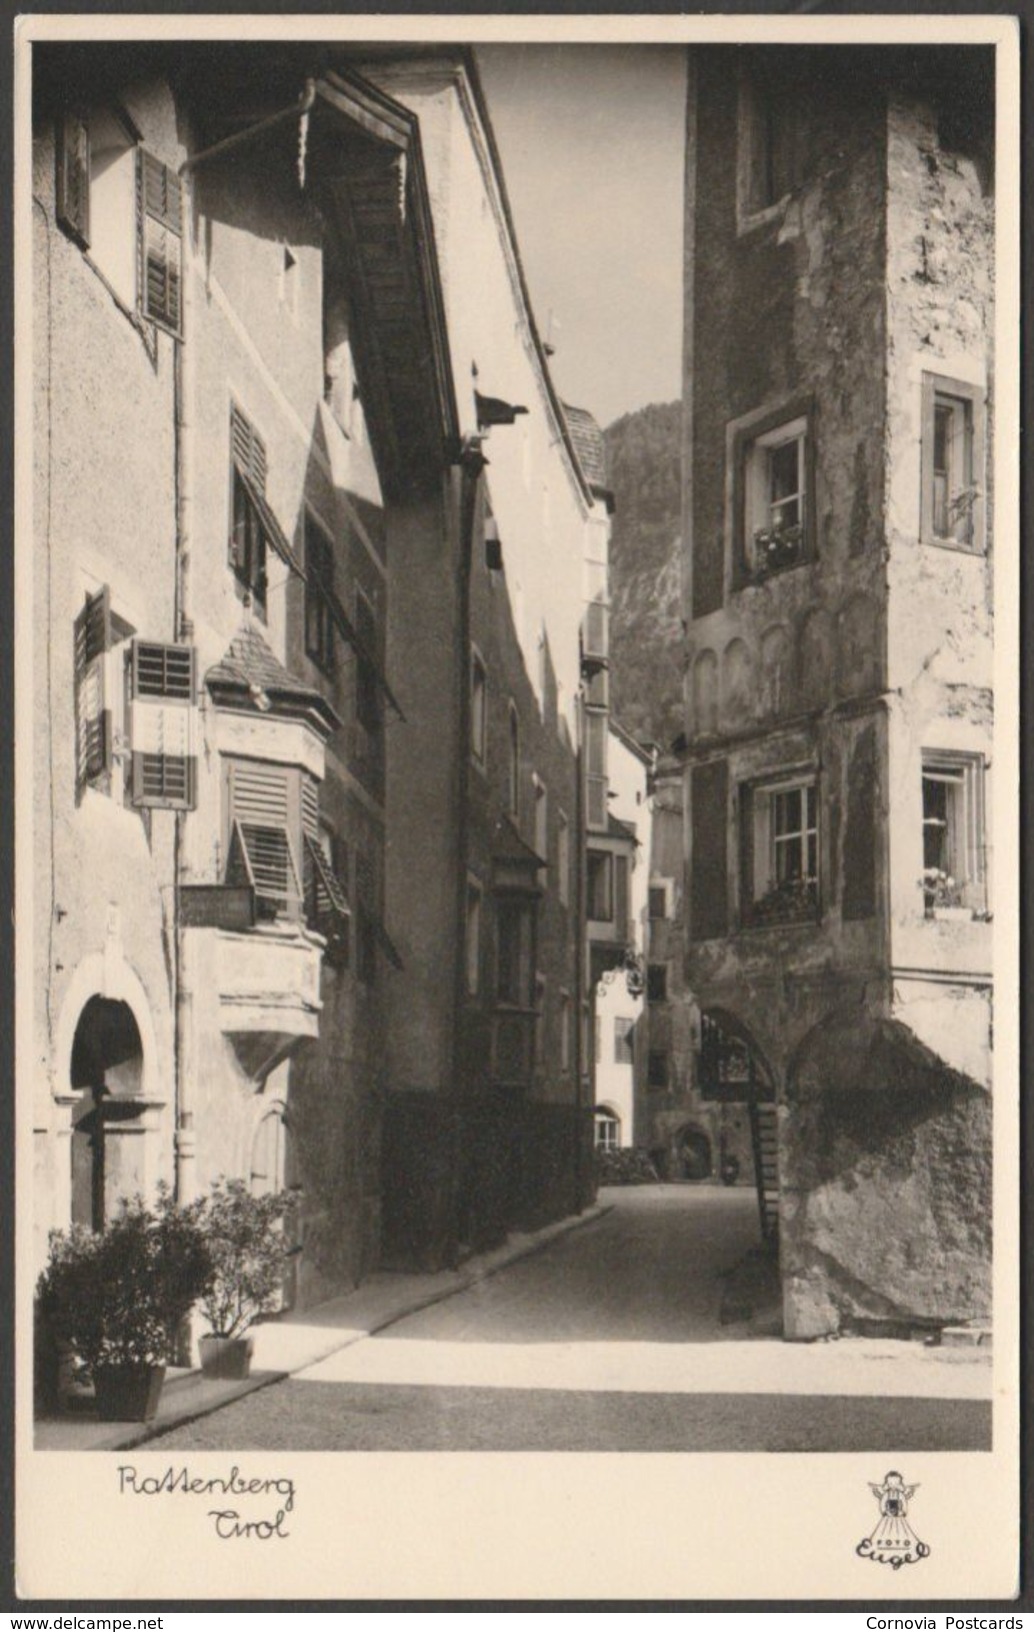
x,y
73,177
247,448
859,847
92,636
708,884
162,691
263,813
160,242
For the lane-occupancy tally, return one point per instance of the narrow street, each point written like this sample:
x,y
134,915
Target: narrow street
x,y
610,1339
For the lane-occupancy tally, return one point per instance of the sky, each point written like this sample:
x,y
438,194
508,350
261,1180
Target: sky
x,y
591,141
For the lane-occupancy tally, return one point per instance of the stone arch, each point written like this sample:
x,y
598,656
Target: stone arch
x,y
107,975
776,678
738,699
695,1152
859,659
815,656
705,693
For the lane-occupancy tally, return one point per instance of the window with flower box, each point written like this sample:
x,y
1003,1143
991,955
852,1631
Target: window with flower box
x,y
773,495
954,863
780,851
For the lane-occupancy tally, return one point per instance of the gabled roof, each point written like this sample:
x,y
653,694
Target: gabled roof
x,y
249,671
590,448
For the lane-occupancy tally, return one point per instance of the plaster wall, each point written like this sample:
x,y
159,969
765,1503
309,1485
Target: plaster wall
x,y
103,513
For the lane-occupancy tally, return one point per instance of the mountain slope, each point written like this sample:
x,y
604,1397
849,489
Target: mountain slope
x,y
644,472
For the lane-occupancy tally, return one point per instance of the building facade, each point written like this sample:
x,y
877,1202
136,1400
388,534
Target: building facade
x,y
837,519
266,569
616,909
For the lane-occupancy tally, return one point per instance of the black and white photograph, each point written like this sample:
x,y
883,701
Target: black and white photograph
x,y
517,806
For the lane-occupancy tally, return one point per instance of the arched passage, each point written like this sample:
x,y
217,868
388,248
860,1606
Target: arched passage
x,y
734,1071
107,1073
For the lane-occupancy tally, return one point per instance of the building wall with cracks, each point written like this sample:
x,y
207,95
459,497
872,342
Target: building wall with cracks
x,y
838,704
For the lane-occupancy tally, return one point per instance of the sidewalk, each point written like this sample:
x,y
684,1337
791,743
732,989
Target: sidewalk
x,y
287,1346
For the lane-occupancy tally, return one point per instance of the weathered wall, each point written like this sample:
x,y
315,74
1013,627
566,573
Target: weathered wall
x,y
873,269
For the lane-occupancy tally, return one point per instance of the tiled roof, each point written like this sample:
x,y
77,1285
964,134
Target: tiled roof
x,y
588,445
249,663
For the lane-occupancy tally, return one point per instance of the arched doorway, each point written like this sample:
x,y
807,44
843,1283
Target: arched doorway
x,y
107,1073
272,1170
695,1154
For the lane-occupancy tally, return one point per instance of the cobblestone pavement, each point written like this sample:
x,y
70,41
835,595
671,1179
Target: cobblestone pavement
x,y
611,1339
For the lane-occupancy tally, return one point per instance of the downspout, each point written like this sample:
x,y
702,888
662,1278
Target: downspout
x,y
184,385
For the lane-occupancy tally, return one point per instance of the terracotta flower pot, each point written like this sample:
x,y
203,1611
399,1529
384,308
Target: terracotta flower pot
x,y
226,1357
127,1393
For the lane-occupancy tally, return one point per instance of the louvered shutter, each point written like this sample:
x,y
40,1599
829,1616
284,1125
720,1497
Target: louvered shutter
x,y
161,725
262,852
73,177
247,448
160,241
92,635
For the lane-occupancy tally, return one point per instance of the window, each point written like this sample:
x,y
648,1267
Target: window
x,y
515,952
319,586
954,862
952,463
563,858
780,851
770,146
248,539
541,827
513,780
600,886
658,901
774,477
263,806
161,242
624,1033
565,1031
478,707
596,768
657,983
473,938
73,177
326,881
607,1130
657,1069
162,689
367,690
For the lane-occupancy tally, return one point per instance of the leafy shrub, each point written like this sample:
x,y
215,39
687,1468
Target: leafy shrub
x,y
624,1167
117,1296
249,1249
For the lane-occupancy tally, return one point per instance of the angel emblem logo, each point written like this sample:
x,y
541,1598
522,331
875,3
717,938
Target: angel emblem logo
x,y
893,1541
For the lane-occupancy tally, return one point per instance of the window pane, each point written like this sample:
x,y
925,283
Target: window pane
x,y
783,470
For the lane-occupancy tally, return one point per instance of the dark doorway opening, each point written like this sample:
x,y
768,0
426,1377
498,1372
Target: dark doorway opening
x,y
107,1068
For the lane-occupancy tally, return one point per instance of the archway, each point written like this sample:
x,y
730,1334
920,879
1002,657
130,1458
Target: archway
x,y
107,1072
733,1070
695,1154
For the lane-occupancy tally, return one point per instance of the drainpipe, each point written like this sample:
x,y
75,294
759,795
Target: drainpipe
x,y
184,387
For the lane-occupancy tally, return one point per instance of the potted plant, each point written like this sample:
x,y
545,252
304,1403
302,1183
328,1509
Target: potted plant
x,y
250,1247
117,1296
942,895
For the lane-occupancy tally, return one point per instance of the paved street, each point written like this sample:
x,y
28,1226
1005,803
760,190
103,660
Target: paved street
x,y
610,1339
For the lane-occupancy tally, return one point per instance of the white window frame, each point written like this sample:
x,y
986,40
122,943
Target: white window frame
x,y
760,507
963,526
966,825
606,1128
766,839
